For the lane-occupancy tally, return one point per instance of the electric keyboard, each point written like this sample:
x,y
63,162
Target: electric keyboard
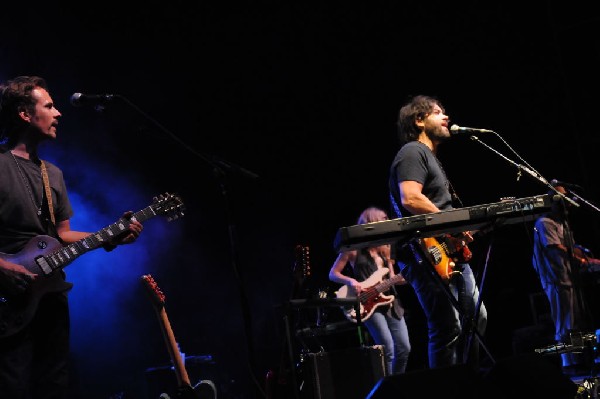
x,y
478,217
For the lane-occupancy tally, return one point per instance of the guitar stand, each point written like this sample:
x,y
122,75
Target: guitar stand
x,y
473,322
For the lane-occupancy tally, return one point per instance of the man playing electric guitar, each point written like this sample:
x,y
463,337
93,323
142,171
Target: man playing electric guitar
x,y
34,202
418,185
383,313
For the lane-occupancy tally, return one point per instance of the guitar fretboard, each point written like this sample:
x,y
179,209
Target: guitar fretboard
x,y
381,287
67,254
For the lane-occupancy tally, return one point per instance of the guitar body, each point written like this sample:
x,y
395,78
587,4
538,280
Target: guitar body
x,y
443,252
370,298
17,311
187,392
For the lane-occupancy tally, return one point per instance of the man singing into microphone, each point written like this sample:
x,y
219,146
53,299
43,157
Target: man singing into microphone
x,y
419,185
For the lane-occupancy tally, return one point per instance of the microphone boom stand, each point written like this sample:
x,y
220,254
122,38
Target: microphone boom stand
x,y
222,169
527,169
536,175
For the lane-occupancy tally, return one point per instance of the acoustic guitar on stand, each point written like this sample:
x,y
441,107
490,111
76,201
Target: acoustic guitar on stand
x,y
184,386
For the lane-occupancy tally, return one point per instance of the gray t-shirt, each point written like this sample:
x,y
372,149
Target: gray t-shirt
x,y
552,268
415,161
21,191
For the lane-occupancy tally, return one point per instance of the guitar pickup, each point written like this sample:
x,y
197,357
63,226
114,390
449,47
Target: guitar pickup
x,y
43,264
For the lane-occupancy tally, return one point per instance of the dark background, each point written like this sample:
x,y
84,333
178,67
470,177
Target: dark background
x,y
304,96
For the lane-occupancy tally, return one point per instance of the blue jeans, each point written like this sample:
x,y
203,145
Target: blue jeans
x,y
392,334
443,319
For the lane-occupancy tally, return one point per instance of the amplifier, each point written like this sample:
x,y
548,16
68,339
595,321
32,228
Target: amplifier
x,y
343,374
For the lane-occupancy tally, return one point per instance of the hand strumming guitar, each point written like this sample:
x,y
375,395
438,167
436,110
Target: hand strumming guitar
x,y
585,259
14,278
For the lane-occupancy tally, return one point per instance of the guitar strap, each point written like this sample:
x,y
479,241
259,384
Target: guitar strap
x,y
52,226
47,190
396,304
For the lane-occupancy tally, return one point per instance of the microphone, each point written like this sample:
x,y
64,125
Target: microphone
x,y
79,99
455,129
568,186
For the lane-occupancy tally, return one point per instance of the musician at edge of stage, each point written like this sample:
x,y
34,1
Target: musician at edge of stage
x,y
561,266
419,185
384,314
35,360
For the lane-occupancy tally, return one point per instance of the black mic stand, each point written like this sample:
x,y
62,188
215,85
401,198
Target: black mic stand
x,y
570,241
581,199
520,167
468,321
576,278
220,165
221,171
525,168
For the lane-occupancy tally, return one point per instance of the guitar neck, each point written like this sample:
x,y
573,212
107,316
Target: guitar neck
x,y
385,284
63,256
158,299
180,371
99,238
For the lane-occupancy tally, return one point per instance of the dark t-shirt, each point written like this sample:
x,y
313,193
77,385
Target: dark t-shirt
x,y
21,190
415,161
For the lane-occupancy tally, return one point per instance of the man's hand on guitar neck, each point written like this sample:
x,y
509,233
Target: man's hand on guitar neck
x,y
460,240
14,278
133,232
467,236
460,252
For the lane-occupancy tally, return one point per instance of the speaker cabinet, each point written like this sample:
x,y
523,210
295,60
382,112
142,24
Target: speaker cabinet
x,y
454,382
531,376
521,377
342,374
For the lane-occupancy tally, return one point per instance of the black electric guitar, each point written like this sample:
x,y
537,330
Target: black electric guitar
x,y
46,256
184,387
371,297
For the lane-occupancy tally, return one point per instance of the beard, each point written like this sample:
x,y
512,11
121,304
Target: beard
x,y
437,133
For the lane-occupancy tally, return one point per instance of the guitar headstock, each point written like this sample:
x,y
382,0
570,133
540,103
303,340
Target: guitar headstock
x,y
168,204
156,295
302,263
